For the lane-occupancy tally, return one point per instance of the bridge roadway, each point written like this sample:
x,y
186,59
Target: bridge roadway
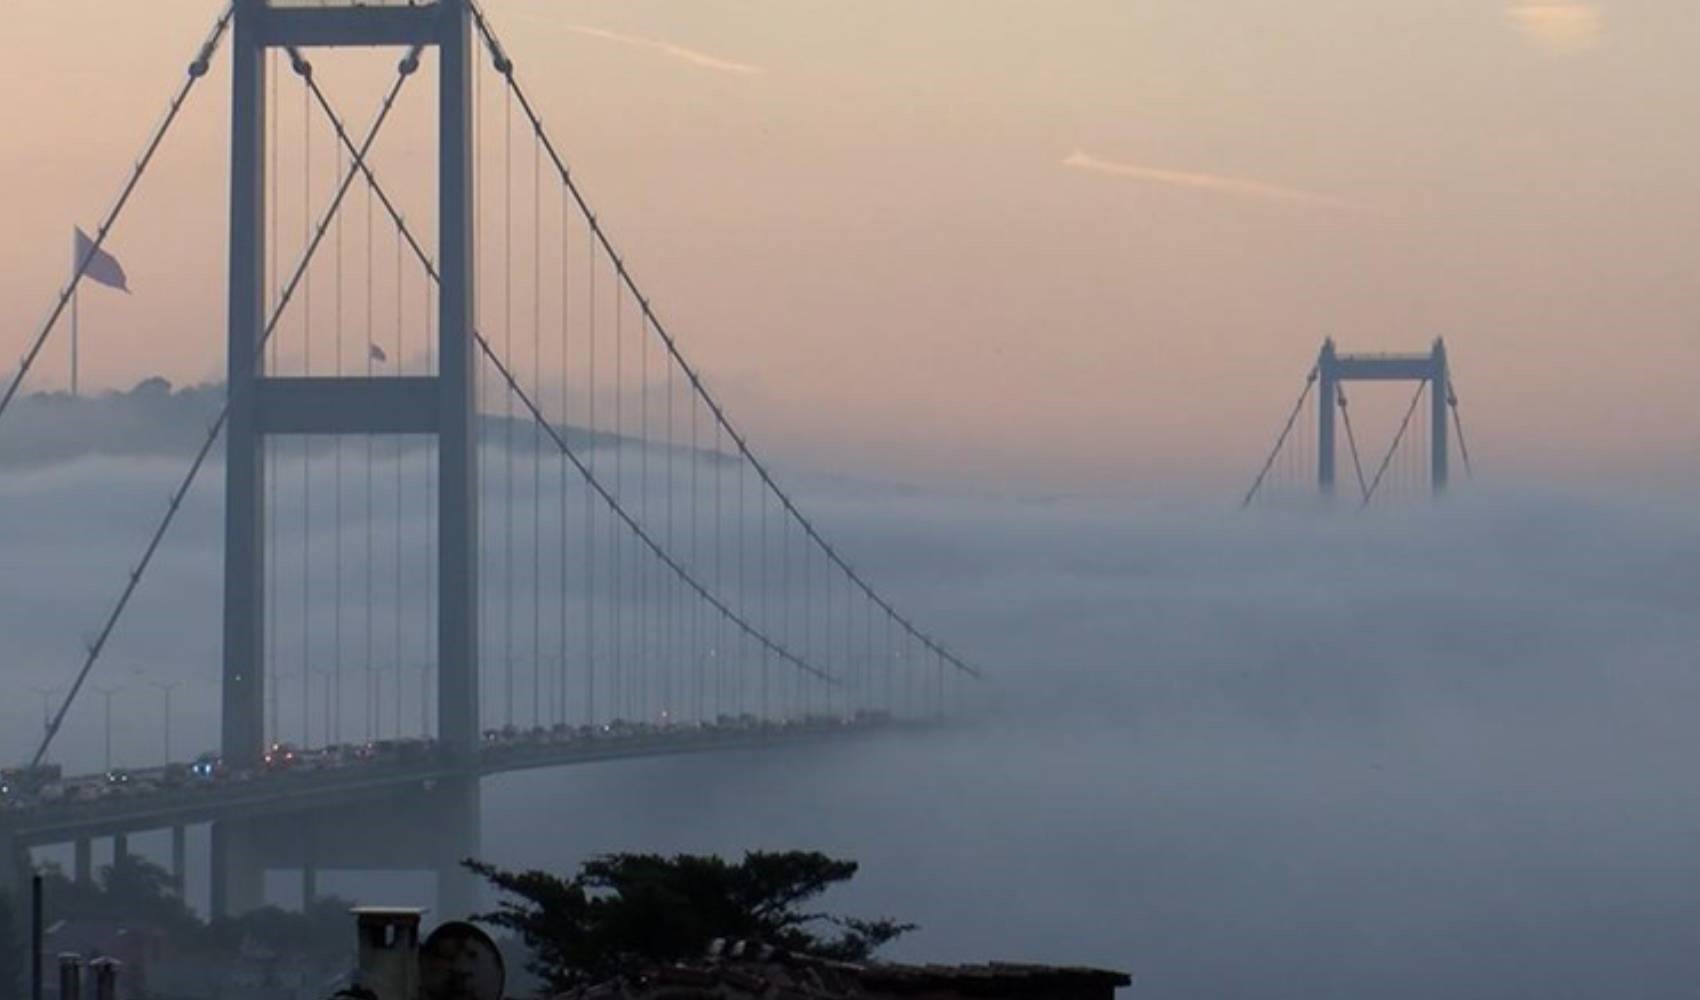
x,y
295,791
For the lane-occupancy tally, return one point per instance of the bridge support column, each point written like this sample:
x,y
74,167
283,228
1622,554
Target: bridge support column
x,y
15,871
238,880
243,735
82,861
120,851
1440,392
179,858
460,837
1327,393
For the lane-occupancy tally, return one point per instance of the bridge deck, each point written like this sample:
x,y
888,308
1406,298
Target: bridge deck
x,y
309,790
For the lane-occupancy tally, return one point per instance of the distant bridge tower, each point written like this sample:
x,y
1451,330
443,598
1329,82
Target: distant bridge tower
x,y
262,405
1334,368
1293,465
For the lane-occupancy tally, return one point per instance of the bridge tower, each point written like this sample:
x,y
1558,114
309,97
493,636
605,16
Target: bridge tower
x,y
262,405
1333,368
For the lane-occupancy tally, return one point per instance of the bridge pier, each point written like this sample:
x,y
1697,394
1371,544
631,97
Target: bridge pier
x,y
179,857
238,879
460,837
15,871
120,852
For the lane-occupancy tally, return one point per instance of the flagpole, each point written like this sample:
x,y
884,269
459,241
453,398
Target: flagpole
x,y
75,263
74,295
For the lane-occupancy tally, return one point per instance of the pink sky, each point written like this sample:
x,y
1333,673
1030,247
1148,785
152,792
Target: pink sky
x,y
1085,244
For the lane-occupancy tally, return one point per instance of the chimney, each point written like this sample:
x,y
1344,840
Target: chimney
x,y
105,972
389,950
70,976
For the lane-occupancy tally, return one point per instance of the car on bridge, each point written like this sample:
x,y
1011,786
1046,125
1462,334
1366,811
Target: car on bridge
x,y
281,757
207,767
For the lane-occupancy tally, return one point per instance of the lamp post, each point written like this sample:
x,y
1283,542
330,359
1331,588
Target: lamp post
x,y
274,691
329,677
165,688
107,693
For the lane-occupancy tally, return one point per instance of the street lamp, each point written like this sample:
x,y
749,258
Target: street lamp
x,y
165,688
107,693
329,676
274,691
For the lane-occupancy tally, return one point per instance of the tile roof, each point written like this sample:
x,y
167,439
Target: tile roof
x,y
741,970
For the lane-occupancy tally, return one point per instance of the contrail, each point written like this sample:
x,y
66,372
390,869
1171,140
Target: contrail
x,y
1237,186
670,49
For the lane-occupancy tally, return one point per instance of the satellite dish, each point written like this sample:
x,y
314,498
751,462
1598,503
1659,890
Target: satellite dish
x,y
460,962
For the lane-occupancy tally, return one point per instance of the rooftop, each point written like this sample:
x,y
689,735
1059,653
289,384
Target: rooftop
x,y
745,970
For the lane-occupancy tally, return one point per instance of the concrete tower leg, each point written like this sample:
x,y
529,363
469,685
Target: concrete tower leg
x,y
243,735
1440,393
461,836
238,880
14,875
457,519
179,858
1327,392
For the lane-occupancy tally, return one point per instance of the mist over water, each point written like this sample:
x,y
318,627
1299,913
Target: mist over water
x,y
1435,751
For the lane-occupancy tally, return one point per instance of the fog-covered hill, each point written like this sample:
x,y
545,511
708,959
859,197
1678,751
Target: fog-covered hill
x,y
156,419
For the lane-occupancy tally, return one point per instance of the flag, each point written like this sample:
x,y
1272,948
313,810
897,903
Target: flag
x,y
102,266
376,353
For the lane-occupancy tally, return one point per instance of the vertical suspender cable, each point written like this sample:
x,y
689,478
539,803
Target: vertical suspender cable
x,y
429,666
566,414
508,416
400,365
697,651
536,432
618,692
644,651
371,699
270,444
482,473
672,650
743,595
306,440
719,586
333,724
766,616
590,582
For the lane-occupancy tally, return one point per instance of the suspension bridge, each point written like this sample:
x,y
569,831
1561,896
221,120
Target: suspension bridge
x,y
1418,458
470,460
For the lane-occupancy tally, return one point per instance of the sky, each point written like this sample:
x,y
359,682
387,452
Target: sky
x,y
1089,245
